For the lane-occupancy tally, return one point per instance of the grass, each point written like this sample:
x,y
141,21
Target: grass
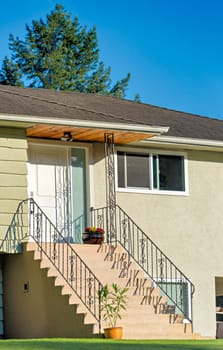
x,y
106,344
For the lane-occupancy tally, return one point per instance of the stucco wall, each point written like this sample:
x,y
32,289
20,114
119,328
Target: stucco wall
x,y
41,311
187,228
13,173
98,161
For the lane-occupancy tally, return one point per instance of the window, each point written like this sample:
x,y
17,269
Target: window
x,y
168,173
162,172
129,174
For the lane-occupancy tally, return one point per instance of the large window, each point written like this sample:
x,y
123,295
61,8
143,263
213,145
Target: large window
x,y
158,172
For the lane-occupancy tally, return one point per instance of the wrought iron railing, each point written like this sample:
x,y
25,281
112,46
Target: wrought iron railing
x,y
17,230
165,274
30,222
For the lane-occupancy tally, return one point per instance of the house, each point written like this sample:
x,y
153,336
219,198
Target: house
x,y
153,180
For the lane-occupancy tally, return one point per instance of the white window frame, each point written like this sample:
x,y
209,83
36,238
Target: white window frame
x,y
151,153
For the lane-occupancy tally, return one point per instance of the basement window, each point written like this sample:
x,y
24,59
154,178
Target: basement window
x,y
154,172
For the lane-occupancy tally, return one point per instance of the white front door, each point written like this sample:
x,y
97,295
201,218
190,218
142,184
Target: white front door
x,y
57,182
48,183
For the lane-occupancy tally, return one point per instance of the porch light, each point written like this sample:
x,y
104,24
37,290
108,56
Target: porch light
x,y
66,136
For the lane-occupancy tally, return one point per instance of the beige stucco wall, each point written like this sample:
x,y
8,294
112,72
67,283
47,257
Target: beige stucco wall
x,y
13,173
42,311
98,162
189,229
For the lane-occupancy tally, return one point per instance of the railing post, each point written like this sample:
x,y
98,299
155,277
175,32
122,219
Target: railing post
x,y
92,223
110,187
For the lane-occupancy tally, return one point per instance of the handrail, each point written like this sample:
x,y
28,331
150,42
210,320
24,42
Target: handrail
x,y
29,221
120,228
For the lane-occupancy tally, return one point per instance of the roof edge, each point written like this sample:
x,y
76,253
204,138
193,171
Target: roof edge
x,y
155,129
172,140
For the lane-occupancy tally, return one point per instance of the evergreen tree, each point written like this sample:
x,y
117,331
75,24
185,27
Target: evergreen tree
x,y
61,54
137,98
120,87
10,73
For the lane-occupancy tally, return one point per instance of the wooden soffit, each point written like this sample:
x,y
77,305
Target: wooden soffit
x,y
84,134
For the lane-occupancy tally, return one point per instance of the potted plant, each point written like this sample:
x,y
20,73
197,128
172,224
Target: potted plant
x,y
112,301
93,235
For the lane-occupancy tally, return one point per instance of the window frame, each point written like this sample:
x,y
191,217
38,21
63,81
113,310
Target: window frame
x,y
151,189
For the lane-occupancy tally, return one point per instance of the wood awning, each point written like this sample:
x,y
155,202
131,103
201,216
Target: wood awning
x,y
85,134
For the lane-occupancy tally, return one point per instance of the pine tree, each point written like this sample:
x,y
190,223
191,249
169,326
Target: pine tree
x,y
120,86
10,73
137,98
61,54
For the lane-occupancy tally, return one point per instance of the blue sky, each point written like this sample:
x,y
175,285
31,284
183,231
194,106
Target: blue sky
x,y
172,48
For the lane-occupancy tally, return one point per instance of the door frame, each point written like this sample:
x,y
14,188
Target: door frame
x,y
44,144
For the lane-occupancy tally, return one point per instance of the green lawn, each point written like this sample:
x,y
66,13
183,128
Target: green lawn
x,y
105,344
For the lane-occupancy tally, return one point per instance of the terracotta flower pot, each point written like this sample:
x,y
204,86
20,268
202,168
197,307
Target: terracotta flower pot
x,y
113,332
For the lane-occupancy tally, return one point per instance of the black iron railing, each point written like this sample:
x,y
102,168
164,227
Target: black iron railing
x,y
165,274
30,222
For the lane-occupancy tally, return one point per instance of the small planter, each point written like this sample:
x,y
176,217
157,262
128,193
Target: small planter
x,y
112,300
93,237
113,332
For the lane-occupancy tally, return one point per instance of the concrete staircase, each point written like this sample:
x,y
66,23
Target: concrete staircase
x,y
148,315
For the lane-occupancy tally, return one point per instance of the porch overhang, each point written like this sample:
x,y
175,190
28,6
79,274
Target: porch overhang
x,y
88,134
81,130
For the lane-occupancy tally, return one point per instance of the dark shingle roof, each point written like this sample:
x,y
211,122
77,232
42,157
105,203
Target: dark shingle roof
x,y
93,107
